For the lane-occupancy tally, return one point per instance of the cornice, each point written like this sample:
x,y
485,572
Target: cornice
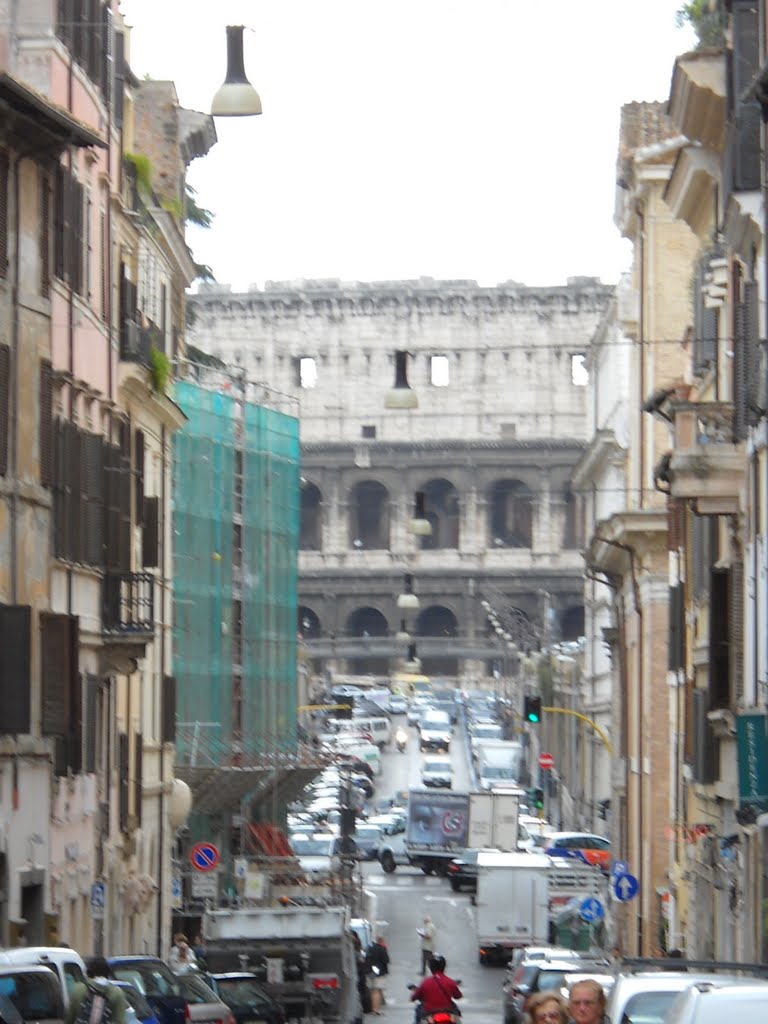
x,y
603,450
157,404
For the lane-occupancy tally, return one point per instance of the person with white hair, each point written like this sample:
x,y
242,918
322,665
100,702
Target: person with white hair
x,y
427,935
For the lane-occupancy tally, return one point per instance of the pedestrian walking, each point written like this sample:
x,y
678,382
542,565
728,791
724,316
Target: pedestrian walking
x,y
181,957
427,935
97,1000
378,961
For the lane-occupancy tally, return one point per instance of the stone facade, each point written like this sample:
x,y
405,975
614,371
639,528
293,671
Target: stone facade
x,y
500,424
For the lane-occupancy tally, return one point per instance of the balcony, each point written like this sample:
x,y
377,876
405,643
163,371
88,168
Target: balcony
x,y
706,464
127,607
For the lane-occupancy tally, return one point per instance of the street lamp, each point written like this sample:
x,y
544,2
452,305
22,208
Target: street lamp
x,y
401,395
408,599
419,525
236,97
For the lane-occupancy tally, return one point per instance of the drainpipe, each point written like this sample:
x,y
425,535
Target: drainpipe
x,y
161,797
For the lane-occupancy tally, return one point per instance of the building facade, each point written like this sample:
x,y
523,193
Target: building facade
x,y
499,426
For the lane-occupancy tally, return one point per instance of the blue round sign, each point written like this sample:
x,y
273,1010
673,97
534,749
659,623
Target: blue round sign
x,y
204,857
619,867
591,909
625,887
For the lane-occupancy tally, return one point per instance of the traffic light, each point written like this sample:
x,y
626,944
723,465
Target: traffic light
x,y
538,799
532,709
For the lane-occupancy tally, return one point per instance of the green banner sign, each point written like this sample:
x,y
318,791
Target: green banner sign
x,y
752,739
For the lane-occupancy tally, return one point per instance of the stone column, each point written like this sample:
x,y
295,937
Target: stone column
x,y
542,519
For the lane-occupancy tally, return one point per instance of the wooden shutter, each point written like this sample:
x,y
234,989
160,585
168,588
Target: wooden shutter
x,y
15,679
704,748
119,79
46,423
705,321
4,220
93,488
74,492
744,64
736,630
138,776
45,234
123,780
5,398
138,475
59,676
676,646
150,547
91,723
112,503
168,723
719,640
77,251
124,477
59,222
107,35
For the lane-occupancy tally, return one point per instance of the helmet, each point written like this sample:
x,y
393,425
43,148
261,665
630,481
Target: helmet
x,y
437,963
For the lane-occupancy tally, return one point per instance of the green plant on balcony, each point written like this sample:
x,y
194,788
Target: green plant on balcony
x,y
159,370
706,19
142,171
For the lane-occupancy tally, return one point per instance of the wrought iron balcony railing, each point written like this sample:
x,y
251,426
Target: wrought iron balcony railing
x,y
128,604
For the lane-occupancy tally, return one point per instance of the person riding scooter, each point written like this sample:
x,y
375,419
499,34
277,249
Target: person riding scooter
x,y
437,992
401,739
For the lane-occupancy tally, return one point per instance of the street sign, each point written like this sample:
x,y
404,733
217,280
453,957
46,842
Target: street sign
x,y
205,886
619,867
546,761
204,857
97,901
591,909
625,887
176,892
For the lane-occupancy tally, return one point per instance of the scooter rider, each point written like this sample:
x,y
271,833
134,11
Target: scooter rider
x,y
437,991
401,738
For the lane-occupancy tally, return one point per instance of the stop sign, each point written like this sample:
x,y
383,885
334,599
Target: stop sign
x,y
546,761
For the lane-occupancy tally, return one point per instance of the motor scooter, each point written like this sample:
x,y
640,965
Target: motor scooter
x,y
450,1015
401,740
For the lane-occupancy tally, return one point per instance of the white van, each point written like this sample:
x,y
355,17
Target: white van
x,y
379,729
66,963
354,747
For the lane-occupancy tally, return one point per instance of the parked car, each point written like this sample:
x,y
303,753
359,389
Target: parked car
x,y
708,1003
30,993
397,704
319,854
156,982
647,995
585,846
205,1006
391,823
138,1011
66,963
249,1003
435,731
462,871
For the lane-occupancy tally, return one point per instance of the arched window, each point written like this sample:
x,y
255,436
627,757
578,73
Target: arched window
x,y
369,516
308,623
511,514
441,505
311,529
367,621
572,623
438,621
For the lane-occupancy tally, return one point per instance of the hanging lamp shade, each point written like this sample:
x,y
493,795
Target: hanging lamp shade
x,y
419,525
236,97
402,395
412,662
408,599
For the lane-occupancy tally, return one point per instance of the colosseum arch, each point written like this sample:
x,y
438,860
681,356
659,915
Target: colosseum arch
x,y
572,623
367,622
437,621
369,516
311,525
510,514
308,623
441,503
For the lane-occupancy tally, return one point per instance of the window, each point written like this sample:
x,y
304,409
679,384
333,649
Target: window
x,y
579,374
306,372
439,371
369,432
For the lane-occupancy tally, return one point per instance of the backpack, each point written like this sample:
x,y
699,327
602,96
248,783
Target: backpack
x,y
96,1007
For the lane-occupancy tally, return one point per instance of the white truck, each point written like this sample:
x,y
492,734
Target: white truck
x,y
523,897
494,820
303,956
499,763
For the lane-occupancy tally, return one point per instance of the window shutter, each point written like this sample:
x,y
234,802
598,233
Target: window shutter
x,y
107,34
150,547
676,646
751,328
704,747
169,710
15,679
124,476
61,699
719,640
76,277
5,398
46,423
4,226
91,722
74,494
45,235
138,761
119,79
59,222
112,493
745,63
93,486
740,375
138,455
123,780
736,630
705,321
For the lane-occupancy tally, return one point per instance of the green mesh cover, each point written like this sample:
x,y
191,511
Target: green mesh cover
x,y
222,442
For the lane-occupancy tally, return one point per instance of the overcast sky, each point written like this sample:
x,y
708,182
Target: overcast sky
x,y
408,138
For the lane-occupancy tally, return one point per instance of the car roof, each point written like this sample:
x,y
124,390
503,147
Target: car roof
x,y
578,835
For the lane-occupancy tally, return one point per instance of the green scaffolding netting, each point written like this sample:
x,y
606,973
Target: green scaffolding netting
x,y
236,525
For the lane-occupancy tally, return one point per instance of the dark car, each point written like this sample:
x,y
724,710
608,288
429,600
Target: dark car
x,y
462,871
156,982
249,1003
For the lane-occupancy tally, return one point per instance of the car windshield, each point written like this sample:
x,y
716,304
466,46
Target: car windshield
x,y
136,1000
647,1007
437,766
150,979
240,992
34,995
195,990
304,847
489,772
485,730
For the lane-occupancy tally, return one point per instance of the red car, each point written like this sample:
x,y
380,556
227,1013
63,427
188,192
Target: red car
x,y
584,846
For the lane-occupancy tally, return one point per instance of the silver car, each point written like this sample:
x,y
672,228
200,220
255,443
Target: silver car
x,y
647,995
710,1003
